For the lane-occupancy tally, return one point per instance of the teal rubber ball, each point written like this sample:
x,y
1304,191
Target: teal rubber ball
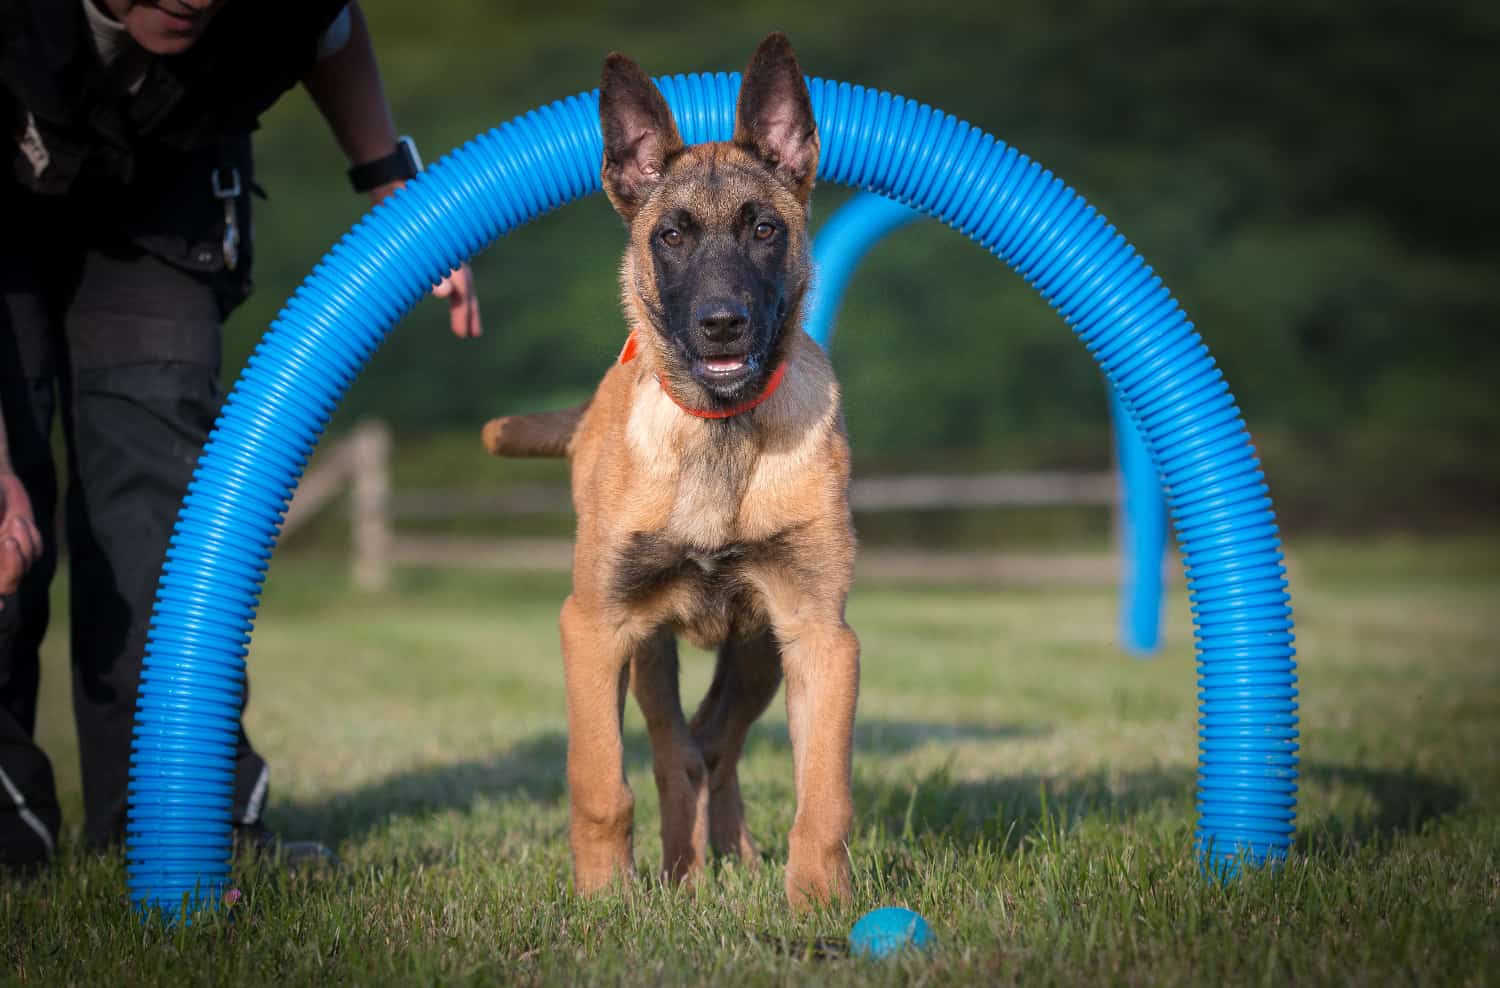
x,y
883,932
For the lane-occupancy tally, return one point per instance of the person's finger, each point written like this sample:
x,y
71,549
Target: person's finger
x,y
463,308
22,533
476,327
444,288
29,538
12,566
458,317
472,312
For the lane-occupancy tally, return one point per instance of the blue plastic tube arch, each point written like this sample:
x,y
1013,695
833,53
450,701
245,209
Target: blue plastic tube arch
x,y
178,831
842,242
1141,521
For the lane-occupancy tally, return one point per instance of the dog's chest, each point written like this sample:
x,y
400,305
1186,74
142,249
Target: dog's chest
x,y
707,594
710,484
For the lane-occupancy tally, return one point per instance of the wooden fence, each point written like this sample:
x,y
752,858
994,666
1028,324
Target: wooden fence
x,y
360,463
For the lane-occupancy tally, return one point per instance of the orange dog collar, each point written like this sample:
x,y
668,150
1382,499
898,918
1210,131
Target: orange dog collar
x,y
632,349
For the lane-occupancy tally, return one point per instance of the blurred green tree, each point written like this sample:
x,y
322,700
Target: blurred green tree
x,y
1313,180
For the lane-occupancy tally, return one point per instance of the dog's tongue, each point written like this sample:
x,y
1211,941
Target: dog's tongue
x,y
725,364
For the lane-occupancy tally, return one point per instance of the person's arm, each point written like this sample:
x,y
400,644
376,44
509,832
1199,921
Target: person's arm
x,y
20,541
348,92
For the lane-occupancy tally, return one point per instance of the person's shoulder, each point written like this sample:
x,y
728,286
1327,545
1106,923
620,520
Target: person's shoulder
x,y
39,22
39,43
17,23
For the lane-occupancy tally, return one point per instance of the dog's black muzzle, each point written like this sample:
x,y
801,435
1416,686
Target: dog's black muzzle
x,y
728,343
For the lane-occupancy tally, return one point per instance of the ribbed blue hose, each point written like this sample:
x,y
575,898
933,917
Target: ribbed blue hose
x,y
1142,525
842,242
181,765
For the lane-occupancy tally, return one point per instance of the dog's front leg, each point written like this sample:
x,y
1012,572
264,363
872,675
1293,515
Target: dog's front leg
x,y
820,657
601,806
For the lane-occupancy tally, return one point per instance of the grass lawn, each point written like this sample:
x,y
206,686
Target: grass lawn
x,y
1017,780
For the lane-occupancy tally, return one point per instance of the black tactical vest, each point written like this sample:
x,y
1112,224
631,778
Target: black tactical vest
x,y
54,92
138,166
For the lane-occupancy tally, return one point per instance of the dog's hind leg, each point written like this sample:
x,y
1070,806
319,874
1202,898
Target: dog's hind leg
x,y
601,807
746,679
681,777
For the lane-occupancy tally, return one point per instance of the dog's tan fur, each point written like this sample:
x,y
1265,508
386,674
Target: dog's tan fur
x,y
734,532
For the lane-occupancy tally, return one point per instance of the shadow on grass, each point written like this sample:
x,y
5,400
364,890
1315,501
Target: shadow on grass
x,y
1004,810
535,769
1008,809
1405,802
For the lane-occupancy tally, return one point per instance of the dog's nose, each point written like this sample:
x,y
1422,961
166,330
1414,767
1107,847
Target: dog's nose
x,y
722,320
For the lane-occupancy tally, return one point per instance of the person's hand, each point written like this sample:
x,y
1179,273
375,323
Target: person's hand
x,y
457,288
20,540
463,304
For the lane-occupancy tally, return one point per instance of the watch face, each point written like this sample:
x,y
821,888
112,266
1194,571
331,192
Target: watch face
x,y
408,149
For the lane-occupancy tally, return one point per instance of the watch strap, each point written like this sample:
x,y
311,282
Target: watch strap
x,y
401,164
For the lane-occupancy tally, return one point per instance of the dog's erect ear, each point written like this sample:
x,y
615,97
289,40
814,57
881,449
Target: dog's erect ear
x,y
775,119
640,136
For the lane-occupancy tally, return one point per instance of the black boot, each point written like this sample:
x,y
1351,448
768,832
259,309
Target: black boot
x,y
29,817
256,839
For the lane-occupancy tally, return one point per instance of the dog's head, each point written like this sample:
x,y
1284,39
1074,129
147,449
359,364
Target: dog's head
x,y
718,260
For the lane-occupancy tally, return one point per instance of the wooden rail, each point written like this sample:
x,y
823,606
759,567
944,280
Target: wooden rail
x,y
360,463
902,493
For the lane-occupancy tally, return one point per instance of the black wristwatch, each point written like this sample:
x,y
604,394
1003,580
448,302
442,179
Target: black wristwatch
x,y
398,166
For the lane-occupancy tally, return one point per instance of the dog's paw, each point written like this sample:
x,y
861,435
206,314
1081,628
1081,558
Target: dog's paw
x,y
818,884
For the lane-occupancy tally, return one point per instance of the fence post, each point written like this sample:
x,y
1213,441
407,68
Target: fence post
x,y
371,525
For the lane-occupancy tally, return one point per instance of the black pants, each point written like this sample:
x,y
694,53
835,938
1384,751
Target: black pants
x,y
124,348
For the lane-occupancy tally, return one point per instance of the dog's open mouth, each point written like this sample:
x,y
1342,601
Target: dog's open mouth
x,y
724,366
726,374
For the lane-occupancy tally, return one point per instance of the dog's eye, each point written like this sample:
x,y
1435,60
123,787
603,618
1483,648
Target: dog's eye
x,y
764,230
672,238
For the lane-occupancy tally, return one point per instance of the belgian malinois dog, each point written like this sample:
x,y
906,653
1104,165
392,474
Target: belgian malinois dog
x,y
710,477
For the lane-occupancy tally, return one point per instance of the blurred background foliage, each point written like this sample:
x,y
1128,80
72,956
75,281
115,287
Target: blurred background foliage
x,y
1314,181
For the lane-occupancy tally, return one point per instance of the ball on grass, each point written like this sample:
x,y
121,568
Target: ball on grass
x,y
883,932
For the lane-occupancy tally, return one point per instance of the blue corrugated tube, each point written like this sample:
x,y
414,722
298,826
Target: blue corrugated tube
x,y
1142,526
841,243
181,764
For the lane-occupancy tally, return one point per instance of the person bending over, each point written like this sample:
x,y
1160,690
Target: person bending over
x,y
124,243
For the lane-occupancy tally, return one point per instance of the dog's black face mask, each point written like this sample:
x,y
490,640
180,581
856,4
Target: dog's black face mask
x,y
722,282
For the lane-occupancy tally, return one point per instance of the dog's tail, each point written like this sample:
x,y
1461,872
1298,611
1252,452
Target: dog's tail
x,y
539,434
